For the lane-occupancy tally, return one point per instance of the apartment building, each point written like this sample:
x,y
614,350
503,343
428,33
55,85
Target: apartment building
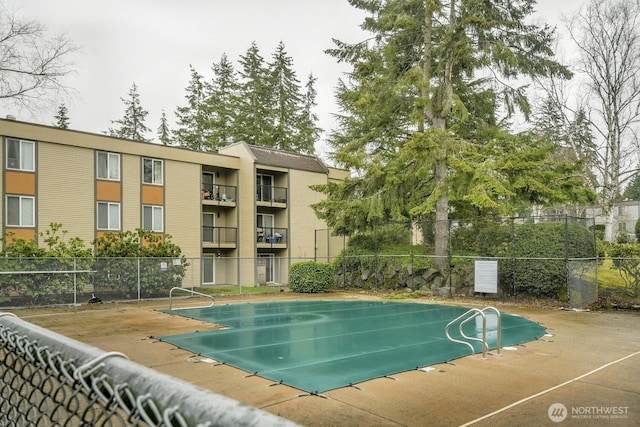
x,y
241,215
624,217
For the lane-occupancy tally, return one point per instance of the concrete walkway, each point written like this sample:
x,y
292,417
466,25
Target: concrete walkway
x,y
586,373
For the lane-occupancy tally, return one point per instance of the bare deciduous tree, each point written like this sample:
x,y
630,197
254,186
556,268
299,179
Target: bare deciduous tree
x,y
607,35
32,65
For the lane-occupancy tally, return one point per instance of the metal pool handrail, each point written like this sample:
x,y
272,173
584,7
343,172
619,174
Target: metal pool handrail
x,y
468,316
499,315
192,292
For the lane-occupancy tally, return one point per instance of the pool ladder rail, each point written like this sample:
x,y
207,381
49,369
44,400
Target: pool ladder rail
x,y
192,293
467,317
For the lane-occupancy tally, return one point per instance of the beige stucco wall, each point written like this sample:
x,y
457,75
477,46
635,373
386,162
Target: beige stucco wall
x,y
182,196
65,194
182,218
74,138
302,219
131,176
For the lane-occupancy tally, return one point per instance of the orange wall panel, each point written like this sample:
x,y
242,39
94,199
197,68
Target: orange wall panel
x,y
108,191
20,183
145,243
152,195
101,233
20,233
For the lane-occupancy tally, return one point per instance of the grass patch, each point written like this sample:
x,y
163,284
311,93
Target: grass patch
x,y
609,278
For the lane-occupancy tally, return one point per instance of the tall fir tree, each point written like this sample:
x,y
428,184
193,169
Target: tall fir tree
x,y
193,120
163,131
421,120
632,191
307,119
286,100
255,115
262,104
62,119
132,126
222,100
571,135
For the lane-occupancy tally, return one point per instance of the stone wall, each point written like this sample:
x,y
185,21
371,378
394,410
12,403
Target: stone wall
x,y
392,275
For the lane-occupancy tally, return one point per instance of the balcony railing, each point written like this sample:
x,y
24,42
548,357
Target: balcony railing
x,y
219,193
272,235
271,194
220,235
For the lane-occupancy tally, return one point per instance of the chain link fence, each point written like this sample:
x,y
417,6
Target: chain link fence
x,y
551,257
47,379
539,257
73,281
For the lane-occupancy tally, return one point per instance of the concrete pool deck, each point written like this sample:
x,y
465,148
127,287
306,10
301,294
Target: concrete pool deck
x,y
590,364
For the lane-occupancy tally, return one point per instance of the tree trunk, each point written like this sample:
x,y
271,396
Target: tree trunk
x,y
442,205
609,235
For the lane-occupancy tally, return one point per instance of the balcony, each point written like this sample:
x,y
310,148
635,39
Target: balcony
x,y
219,195
268,195
272,237
219,237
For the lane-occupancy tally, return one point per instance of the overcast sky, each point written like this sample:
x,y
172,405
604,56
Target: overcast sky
x,y
153,42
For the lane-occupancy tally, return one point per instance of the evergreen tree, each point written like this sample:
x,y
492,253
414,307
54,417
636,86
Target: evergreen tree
x,y
194,123
422,125
62,120
286,102
223,102
308,130
164,133
632,191
571,135
132,126
255,113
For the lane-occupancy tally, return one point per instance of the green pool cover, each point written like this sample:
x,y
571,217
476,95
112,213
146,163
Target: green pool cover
x,y
317,346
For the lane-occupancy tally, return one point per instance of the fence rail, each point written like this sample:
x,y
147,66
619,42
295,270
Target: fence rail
x,y
51,281
49,379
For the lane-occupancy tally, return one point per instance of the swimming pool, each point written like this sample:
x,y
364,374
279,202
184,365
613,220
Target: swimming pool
x,y
317,346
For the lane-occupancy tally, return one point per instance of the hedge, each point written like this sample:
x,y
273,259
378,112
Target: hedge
x,y
310,277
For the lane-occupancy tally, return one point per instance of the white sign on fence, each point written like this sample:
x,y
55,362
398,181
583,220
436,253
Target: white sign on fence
x,y
486,277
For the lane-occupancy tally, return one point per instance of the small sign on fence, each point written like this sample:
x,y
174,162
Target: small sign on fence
x,y
486,277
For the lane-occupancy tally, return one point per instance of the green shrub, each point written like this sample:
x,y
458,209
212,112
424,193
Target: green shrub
x,y
381,237
599,230
626,259
478,237
310,277
128,259
537,266
57,253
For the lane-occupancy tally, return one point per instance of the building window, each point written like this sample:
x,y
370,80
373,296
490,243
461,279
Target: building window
x,y
208,270
265,227
21,211
152,218
108,216
108,166
264,185
21,155
152,171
